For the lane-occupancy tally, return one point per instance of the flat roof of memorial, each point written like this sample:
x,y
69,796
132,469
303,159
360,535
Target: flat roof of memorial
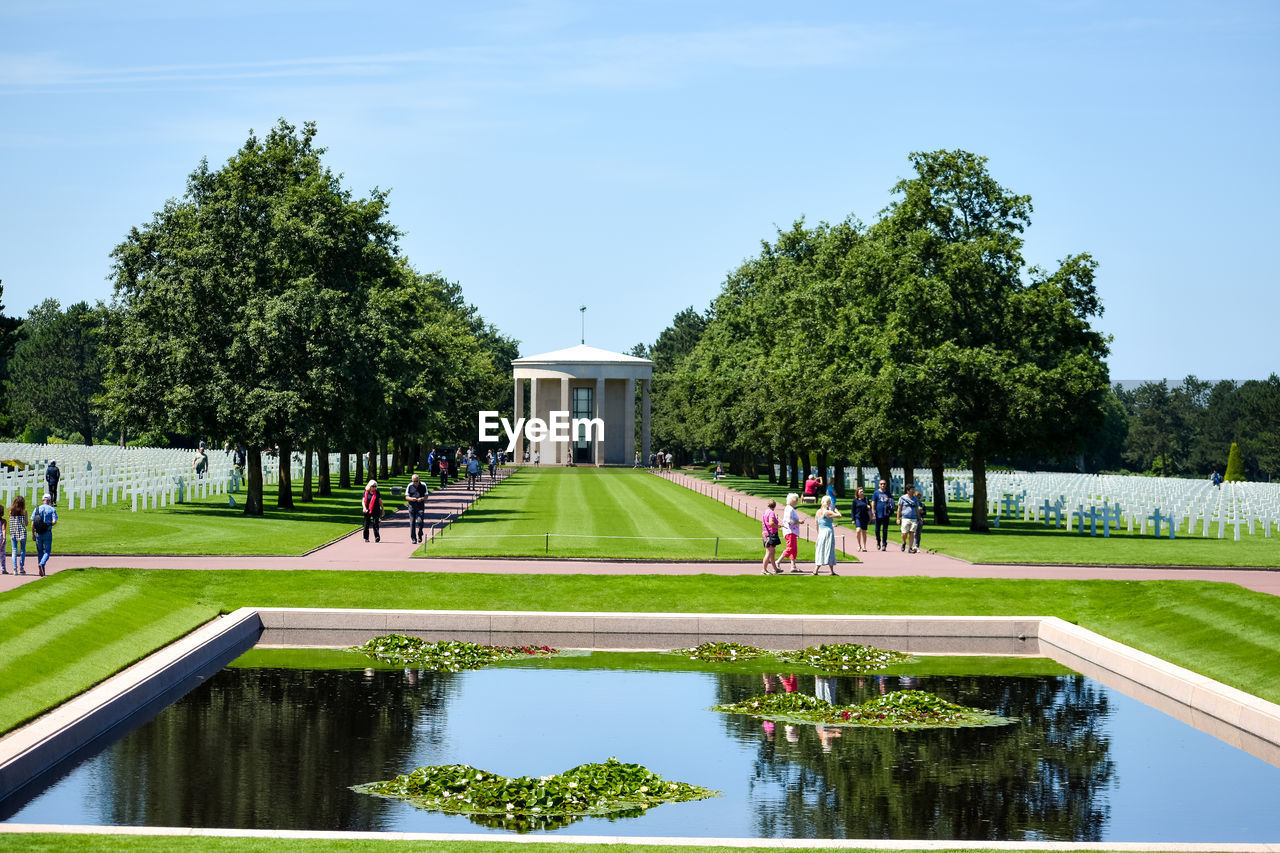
x,y
582,354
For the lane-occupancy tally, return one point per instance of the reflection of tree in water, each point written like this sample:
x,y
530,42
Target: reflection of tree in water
x,y
274,748
1043,777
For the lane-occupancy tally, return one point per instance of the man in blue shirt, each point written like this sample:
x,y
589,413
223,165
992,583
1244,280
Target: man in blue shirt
x,y
43,518
882,508
415,495
909,517
473,471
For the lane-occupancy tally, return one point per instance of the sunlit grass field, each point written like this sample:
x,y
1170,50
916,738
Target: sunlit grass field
x,y
602,512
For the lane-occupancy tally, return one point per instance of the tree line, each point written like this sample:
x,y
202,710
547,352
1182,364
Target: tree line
x,y
920,339
267,307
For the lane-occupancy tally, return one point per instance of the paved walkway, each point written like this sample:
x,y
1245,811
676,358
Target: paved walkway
x,y
394,554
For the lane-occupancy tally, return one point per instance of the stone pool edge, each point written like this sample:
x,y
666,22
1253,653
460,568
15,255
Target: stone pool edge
x,y
637,840
1239,718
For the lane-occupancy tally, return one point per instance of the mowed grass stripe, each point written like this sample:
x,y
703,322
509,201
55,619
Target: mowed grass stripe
x,y
30,605
57,626
607,513
44,687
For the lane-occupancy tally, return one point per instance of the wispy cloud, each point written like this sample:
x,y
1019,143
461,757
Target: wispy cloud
x,y
634,60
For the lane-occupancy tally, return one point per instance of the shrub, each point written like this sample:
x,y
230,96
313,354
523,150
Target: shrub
x,y
1235,465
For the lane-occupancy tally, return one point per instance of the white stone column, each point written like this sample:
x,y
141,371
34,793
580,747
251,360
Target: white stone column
x,y
644,421
564,451
629,423
599,413
517,413
533,413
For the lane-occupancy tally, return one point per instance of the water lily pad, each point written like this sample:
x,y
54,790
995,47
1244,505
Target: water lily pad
x,y
445,655
523,803
902,709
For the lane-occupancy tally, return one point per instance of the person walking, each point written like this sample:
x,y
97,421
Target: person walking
x,y
371,505
4,550
824,550
51,476
719,471
861,513
791,534
493,466
769,528
442,468
200,462
882,508
908,517
473,472
18,533
416,496
43,518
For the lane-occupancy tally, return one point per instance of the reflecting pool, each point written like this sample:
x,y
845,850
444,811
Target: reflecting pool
x,y
278,749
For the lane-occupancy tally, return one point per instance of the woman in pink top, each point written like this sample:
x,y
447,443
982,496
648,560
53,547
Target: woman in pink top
x,y
769,532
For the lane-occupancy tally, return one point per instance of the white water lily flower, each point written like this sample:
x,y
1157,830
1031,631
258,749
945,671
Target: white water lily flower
x,y
573,784
644,788
510,806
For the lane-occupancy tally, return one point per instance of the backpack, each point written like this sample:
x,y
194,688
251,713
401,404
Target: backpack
x,y
38,523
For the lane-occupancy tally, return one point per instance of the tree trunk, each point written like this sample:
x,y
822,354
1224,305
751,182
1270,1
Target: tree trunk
x,y
416,459
326,476
359,455
883,468
908,471
397,457
794,462
384,473
839,478
284,494
773,478
308,492
751,466
940,514
978,521
822,467
253,496
862,480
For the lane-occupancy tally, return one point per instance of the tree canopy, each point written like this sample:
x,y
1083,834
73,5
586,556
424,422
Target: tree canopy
x,y
922,336
268,306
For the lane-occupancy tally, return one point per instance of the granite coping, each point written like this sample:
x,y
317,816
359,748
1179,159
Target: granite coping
x,y
665,841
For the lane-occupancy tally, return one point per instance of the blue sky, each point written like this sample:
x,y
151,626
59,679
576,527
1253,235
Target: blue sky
x,y
627,156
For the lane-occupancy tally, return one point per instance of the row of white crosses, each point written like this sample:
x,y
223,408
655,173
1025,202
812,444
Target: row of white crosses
x,y
145,477
1098,504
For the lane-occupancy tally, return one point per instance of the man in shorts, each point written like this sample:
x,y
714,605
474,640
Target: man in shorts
x,y
909,517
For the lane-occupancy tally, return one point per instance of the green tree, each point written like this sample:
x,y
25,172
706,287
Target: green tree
x,y
241,304
56,371
1235,465
998,360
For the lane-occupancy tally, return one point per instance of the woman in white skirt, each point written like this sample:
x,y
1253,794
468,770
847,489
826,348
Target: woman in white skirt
x,y
824,550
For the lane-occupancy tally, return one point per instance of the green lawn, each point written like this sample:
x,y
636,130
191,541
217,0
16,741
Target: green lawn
x,y
66,633
211,526
602,512
1016,541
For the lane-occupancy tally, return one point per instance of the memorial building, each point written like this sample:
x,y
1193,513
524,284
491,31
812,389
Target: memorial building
x,y
586,382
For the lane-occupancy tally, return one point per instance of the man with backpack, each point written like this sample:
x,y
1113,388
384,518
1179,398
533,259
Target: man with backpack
x,y
43,518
